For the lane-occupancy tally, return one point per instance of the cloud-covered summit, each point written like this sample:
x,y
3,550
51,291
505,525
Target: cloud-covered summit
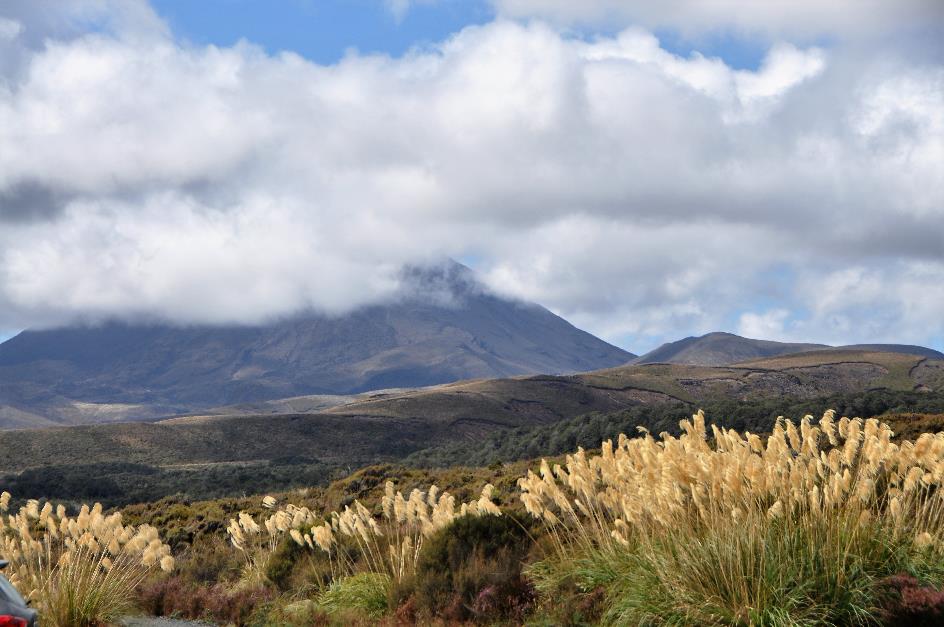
x,y
639,193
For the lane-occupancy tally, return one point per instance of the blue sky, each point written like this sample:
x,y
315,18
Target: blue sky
x,y
321,30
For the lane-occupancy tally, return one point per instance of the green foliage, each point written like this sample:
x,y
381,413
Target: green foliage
x,y
797,576
290,613
366,593
281,564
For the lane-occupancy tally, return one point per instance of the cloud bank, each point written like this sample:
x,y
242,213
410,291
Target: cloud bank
x,y
640,194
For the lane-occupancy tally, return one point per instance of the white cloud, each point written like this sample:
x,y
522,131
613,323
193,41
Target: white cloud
x,y
803,18
768,325
9,29
639,193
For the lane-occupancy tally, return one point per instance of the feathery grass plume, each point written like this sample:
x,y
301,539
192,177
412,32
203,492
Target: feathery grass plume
x,y
79,570
257,542
389,545
729,530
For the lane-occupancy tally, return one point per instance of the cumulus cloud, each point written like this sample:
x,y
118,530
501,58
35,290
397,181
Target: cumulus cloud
x,y
803,18
642,194
766,324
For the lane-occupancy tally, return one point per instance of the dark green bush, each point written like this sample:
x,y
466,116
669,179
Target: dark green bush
x,y
471,570
282,562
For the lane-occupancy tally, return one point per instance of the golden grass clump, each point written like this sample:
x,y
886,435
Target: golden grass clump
x,y
391,544
703,518
257,542
78,570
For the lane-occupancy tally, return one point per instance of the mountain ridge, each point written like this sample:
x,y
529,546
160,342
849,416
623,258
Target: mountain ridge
x,y
720,348
445,327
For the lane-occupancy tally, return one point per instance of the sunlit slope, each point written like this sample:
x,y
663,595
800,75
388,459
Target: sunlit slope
x,y
725,349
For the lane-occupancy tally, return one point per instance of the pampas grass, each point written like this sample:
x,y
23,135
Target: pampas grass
x,y
391,544
367,554
80,570
257,541
735,530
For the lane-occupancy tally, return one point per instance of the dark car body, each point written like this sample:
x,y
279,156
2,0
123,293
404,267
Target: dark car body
x,y
13,606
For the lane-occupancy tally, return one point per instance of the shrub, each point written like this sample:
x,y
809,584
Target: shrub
x,y
177,596
736,531
207,561
292,613
472,569
281,563
906,602
80,570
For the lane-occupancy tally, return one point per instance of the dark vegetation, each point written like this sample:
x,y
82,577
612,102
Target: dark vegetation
x,y
115,484
757,416
471,570
192,467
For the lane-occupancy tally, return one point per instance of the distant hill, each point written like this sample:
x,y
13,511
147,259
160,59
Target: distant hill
x,y
907,349
722,349
394,424
445,327
475,405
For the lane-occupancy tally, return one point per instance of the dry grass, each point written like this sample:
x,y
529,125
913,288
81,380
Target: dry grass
x,y
733,530
258,542
391,544
80,570
366,554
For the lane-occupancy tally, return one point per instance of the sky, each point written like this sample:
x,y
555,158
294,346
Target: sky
x,y
648,170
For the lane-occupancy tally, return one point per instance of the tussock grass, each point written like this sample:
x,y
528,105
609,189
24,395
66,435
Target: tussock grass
x,y
367,555
80,570
731,530
364,592
258,542
389,545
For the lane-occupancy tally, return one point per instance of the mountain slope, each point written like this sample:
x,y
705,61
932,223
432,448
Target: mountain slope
x,y
448,328
722,349
390,425
907,349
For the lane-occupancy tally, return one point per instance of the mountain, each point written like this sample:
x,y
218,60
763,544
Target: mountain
x,y
722,349
444,327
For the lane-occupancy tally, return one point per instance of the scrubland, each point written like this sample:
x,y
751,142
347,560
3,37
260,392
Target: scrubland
x,y
818,521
